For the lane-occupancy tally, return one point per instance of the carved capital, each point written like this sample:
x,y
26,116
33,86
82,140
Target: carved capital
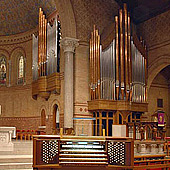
x,y
69,44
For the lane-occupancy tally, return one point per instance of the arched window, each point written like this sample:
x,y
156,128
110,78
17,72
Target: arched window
x,y
2,70
21,69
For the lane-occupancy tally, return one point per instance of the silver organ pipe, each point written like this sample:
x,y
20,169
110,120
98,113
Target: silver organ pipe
x,y
52,48
35,57
122,65
107,75
46,47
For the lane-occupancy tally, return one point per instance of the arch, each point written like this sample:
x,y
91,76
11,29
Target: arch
x,y
43,117
120,118
155,67
55,116
128,118
5,53
15,58
3,70
67,18
148,132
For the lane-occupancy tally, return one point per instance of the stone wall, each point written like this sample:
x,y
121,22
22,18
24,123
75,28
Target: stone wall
x,y
155,32
18,108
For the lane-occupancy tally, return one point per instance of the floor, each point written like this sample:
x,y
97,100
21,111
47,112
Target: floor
x,y
20,158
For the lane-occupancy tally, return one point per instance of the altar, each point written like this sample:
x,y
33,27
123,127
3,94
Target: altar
x,y
6,135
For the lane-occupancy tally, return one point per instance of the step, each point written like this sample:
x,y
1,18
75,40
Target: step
x,y
85,163
83,159
83,146
15,166
16,158
82,151
83,155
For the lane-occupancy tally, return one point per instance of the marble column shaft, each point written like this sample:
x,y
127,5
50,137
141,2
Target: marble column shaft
x,y
68,45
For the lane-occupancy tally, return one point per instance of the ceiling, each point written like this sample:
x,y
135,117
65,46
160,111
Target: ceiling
x,y
166,73
142,10
18,16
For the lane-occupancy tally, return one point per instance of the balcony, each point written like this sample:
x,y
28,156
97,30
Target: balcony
x,y
46,85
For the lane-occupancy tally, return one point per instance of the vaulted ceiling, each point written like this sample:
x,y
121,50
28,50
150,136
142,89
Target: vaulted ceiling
x,y
142,10
166,73
18,16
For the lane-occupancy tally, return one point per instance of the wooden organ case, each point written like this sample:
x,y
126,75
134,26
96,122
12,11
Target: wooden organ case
x,y
118,77
46,57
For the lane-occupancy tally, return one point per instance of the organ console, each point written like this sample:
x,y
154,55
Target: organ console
x,y
118,72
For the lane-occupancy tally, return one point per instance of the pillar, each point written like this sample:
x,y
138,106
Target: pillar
x,y
68,45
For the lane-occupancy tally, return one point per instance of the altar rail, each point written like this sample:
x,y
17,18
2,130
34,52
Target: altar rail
x,y
52,151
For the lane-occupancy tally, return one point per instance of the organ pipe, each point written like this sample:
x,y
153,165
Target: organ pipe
x,y
129,60
48,46
121,54
126,52
119,71
95,64
117,57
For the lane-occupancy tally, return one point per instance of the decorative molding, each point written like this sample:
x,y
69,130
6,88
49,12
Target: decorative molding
x,y
18,38
19,118
69,44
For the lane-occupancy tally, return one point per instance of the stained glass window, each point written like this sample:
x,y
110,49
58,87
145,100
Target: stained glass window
x,y
21,70
2,70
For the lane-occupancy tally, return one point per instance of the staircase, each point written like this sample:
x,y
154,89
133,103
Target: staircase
x,y
20,158
82,152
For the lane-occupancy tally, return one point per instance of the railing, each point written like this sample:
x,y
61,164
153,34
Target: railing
x,y
53,151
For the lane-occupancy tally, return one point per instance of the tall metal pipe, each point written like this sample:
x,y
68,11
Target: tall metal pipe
x,y
121,53
126,52
129,60
45,49
92,41
117,56
41,44
90,70
98,56
43,26
39,27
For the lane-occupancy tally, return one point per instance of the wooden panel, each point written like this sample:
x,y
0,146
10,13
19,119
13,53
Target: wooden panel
x,y
117,105
46,85
53,83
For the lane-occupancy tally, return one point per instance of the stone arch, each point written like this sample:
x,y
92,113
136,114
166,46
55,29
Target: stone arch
x,y
43,117
155,67
14,63
55,112
67,18
5,53
55,101
42,108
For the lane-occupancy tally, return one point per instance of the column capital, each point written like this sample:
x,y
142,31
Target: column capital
x,y
69,44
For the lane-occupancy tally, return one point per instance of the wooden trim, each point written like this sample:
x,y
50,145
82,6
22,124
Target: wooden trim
x,y
34,152
112,105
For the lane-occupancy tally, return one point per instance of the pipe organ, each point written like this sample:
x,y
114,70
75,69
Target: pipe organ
x,y
118,76
118,72
46,54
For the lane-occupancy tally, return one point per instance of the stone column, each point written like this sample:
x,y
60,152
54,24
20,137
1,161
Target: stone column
x,y
68,45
